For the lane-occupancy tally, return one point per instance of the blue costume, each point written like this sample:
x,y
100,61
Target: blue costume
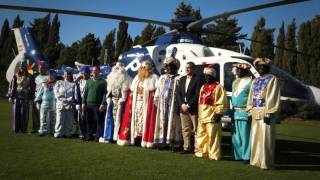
x,y
241,126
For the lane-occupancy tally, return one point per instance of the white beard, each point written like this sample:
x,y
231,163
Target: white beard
x,y
117,81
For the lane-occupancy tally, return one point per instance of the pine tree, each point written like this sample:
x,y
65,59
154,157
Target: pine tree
x,y
289,57
89,49
263,47
280,51
304,42
231,34
40,29
146,33
108,48
122,35
186,10
68,55
5,31
52,50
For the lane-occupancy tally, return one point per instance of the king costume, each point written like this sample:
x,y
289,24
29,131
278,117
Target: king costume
x,y
241,125
141,114
263,103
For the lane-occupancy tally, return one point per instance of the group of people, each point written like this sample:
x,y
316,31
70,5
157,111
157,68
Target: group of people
x,y
166,112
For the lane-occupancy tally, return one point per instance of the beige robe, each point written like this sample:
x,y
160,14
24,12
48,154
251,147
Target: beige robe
x,y
263,101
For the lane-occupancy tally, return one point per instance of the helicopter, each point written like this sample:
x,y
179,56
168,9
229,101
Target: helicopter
x,y
184,43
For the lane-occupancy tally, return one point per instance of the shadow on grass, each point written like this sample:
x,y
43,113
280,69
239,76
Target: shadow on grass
x,y
290,155
297,155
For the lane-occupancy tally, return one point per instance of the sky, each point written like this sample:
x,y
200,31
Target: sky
x,y
74,28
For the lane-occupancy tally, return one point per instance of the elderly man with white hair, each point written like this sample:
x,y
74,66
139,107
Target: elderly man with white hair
x,y
212,105
118,82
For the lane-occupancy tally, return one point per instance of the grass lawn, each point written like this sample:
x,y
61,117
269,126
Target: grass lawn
x,y
24,156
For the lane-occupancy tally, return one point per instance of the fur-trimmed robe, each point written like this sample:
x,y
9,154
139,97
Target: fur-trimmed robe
x,y
149,87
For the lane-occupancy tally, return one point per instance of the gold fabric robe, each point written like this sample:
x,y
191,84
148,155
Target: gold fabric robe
x,y
212,100
263,101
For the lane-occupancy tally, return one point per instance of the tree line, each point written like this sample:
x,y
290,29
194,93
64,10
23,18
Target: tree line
x,y
298,52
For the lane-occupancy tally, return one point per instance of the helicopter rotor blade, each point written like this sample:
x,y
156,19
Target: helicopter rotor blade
x,y
198,24
90,14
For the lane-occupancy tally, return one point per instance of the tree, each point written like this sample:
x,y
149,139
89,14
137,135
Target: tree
x,y
230,34
289,57
68,55
40,29
136,40
17,22
52,50
128,44
314,48
303,61
264,46
122,35
89,49
280,51
108,48
5,30
146,33
158,31
186,10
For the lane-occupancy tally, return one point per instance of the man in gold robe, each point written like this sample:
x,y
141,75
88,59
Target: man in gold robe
x,y
212,105
263,104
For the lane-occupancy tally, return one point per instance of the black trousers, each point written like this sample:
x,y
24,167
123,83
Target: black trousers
x,y
94,121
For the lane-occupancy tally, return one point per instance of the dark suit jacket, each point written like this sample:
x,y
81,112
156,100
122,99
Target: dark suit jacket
x,y
192,94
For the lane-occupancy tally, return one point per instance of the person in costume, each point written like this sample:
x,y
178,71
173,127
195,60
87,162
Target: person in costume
x,y
64,94
241,125
93,104
19,94
118,82
139,117
46,100
168,123
80,84
37,85
263,104
187,95
212,105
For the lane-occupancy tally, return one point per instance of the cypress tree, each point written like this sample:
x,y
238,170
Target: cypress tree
x,y
304,43
88,50
146,33
264,37
279,51
108,48
186,10
315,50
122,35
128,44
17,22
136,40
158,31
52,50
40,29
289,57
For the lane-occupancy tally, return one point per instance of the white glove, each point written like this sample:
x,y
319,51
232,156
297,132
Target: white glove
x,y
78,107
10,100
38,105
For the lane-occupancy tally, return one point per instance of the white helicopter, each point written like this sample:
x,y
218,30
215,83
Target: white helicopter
x,y
185,43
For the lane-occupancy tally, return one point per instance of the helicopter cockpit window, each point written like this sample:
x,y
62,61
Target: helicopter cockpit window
x,y
199,71
229,77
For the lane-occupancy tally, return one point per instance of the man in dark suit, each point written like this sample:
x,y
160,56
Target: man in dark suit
x,y
187,94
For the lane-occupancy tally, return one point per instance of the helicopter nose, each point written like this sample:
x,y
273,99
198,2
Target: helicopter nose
x,y
314,95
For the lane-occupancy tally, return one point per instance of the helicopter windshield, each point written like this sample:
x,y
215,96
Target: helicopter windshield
x,y
178,38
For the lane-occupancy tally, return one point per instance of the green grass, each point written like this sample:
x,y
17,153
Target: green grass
x,y
24,156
